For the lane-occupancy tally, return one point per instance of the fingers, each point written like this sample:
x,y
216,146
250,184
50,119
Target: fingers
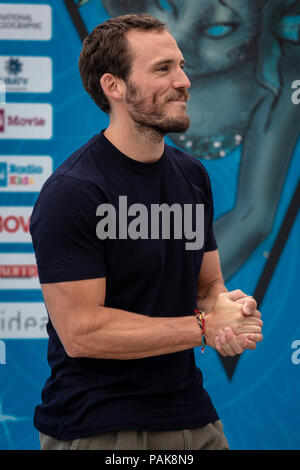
x,y
252,337
250,320
243,329
249,341
247,328
245,342
227,343
235,295
248,305
248,302
222,348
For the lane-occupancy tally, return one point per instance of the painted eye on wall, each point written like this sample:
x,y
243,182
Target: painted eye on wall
x,y
167,5
219,31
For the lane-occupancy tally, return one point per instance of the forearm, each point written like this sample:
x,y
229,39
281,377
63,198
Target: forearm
x,y
118,334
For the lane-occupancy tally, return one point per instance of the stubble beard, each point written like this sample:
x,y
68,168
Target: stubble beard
x,y
154,123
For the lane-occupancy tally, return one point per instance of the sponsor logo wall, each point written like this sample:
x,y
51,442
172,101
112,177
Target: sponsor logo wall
x,y
27,144
26,128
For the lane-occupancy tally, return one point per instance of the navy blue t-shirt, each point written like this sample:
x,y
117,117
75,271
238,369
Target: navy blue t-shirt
x,y
148,270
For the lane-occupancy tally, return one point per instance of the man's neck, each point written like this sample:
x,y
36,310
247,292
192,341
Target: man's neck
x,y
142,145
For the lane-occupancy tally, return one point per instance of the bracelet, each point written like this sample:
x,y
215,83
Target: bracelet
x,y
200,318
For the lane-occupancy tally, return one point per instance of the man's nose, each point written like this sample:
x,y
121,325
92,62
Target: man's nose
x,y
181,80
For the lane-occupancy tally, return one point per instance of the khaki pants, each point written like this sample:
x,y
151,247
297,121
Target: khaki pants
x,y
209,437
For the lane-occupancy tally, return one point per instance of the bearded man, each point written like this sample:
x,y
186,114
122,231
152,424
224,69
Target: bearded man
x,y
126,254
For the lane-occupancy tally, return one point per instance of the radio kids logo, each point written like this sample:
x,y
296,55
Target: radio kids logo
x,y
19,174
24,173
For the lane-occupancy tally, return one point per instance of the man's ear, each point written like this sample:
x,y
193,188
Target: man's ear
x,y
119,7
113,87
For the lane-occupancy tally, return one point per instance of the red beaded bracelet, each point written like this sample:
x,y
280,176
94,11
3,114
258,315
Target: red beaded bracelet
x,y
200,318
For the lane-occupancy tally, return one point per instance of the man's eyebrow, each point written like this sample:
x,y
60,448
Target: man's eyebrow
x,y
167,61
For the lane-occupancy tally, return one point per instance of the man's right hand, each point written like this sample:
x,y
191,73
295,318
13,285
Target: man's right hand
x,y
229,328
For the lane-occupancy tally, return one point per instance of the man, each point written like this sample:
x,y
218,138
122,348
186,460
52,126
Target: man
x,y
120,276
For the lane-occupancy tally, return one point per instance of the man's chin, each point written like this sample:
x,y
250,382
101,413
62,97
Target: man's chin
x,y
175,125
165,126
179,127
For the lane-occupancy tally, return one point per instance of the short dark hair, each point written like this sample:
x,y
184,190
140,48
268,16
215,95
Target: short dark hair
x,y
106,50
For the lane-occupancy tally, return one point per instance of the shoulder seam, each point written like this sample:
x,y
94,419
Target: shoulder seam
x,y
68,176
65,173
79,156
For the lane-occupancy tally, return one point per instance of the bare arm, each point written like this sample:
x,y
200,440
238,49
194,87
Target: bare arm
x,y
87,328
210,281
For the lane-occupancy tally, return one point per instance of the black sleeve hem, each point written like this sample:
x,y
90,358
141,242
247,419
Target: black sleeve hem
x,y
47,277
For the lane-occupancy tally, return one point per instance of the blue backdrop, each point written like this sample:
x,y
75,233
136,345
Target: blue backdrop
x,y
257,396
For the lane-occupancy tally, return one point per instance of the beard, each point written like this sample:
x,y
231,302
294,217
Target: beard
x,y
155,119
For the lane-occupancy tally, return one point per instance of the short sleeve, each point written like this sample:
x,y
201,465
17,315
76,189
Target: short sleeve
x,y
63,231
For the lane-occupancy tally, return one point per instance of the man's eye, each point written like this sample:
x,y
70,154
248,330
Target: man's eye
x,y
219,31
165,68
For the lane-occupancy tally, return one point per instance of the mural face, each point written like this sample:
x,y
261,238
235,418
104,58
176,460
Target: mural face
x,y
218,43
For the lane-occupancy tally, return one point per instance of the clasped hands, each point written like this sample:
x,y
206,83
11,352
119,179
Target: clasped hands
x,y
234,324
